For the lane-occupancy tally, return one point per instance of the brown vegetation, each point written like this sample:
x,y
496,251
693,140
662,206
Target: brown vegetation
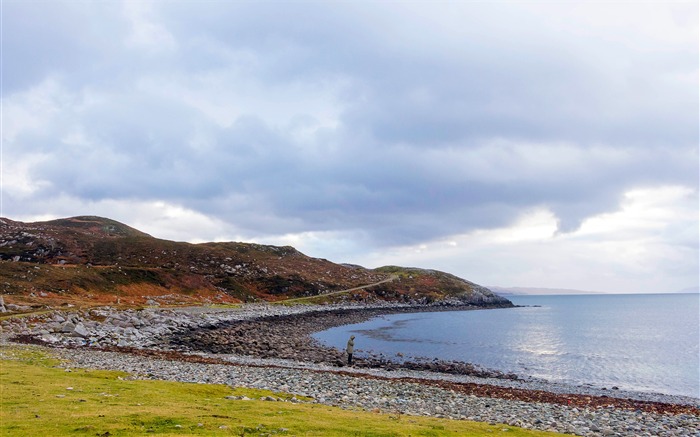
x,y
95,261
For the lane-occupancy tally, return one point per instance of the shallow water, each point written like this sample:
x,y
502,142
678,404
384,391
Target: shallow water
x,y
636,342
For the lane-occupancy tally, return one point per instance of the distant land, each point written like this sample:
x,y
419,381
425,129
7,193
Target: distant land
x,y
520,291
690,290
541,291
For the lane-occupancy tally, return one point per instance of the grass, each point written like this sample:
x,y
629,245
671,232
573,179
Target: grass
x,y
38,398
27,314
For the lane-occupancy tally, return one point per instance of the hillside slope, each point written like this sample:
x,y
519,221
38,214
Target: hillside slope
x,y
93,260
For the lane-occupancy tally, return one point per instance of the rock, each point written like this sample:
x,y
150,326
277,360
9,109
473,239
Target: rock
x,y
80,331
68,327
50,339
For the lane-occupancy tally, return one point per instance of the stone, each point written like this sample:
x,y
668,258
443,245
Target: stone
x,y
50,339
81,331
68,327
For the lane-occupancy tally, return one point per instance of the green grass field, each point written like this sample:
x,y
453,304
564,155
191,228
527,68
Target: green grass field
x,y
39,399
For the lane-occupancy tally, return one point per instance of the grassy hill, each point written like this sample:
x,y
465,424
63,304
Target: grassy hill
x,y
94,261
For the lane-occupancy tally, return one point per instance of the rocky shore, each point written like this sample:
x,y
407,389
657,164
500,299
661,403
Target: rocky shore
x,y
289,337
270,347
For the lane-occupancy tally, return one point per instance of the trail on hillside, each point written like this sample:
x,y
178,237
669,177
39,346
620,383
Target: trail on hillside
x,y
333,293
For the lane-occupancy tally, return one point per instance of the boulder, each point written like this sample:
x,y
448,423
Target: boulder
x,y
80,331
68,327
49,338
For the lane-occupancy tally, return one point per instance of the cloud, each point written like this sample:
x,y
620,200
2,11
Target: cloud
x,y
348,128
145,32
647,245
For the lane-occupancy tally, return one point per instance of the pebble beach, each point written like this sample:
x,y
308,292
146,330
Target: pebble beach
x,y
176,344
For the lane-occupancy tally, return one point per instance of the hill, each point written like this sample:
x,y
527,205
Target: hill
x,y
91,260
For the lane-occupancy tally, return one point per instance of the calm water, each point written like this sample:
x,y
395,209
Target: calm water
x,y
639,342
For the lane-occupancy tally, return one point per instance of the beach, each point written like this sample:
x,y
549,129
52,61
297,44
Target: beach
x,y
270,347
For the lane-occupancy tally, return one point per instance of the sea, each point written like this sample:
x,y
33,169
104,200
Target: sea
x,y
640,342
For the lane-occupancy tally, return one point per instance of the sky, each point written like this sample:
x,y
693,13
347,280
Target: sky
x,y
512,143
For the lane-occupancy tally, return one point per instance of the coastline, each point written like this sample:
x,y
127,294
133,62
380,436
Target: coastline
x,y
495,398
289,337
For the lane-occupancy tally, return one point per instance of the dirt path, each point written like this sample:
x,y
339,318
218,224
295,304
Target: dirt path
x,y
333,293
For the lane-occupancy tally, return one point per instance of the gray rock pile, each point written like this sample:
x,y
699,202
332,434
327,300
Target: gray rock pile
x,y
151,327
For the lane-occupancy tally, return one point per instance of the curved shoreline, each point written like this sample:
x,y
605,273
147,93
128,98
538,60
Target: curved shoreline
x,y
155,329
290,337
525,402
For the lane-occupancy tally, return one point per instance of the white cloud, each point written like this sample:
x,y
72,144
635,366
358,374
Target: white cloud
x,y
626,251
146,32
19,179
499,141
225,95
174,222
31,110
648,211
157,218
334,246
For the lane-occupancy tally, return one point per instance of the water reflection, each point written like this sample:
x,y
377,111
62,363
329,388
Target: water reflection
x,y
538,342
642,342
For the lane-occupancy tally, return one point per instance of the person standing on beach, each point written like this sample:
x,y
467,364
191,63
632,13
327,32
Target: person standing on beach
x,y
350,348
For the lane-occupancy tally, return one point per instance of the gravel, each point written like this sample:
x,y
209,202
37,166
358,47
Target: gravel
x,y
391,396
397,391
